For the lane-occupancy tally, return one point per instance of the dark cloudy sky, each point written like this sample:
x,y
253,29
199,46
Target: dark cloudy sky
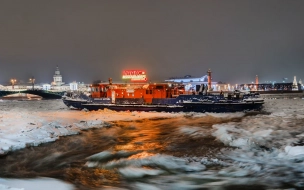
x,y
97,39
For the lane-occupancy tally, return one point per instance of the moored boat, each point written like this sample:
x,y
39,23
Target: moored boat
x,y
161,97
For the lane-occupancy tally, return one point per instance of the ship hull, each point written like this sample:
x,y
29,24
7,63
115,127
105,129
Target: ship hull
x,y
146,108
183,107
77,104
223,107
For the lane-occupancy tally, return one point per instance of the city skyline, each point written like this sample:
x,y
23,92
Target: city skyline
x,y
31,80
95,40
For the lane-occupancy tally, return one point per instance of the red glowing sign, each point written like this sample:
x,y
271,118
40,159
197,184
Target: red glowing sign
x,y
134,75
133,72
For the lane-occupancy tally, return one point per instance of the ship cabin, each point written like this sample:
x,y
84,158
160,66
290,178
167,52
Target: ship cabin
x,y
146,93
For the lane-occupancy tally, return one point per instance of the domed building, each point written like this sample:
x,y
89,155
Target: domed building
x,y
57,78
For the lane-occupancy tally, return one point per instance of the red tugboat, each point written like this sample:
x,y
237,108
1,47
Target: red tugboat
x,y
161,97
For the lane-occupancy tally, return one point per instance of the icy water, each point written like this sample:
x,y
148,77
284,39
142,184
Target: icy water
x,y
212,151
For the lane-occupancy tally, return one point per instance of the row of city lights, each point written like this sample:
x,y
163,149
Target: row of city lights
x,y
14,81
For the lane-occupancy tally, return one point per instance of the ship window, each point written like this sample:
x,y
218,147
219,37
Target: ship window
x,y
148,91
159,87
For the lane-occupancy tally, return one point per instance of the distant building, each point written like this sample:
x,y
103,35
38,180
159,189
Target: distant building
x,y
189,79
79,86
195,82
301,84
295,84
57,78
46,87
2,87
74,86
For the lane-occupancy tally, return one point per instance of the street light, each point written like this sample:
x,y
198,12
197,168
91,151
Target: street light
x,y
32,80
13,81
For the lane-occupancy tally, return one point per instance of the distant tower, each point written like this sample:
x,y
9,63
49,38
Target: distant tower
x,y
300,82
295,84
209,79
256,80
57,78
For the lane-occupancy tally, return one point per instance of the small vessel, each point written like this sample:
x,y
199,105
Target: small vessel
x,y
160,97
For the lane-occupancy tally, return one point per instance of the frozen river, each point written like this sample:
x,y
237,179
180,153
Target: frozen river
x,y
137,150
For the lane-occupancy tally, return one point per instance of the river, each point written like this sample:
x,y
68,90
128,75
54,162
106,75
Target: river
x,y
192,151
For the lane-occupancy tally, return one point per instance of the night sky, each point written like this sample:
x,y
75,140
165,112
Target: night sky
x,y
97,39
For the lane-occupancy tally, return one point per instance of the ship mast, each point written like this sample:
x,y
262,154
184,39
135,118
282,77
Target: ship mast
x,y
209,80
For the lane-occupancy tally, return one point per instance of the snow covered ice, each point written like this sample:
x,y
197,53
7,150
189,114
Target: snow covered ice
x,y
269,148
34,184
260,149
30,123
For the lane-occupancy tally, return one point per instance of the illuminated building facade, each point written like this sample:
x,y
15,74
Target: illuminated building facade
x,y
57,78
196,83
294,86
